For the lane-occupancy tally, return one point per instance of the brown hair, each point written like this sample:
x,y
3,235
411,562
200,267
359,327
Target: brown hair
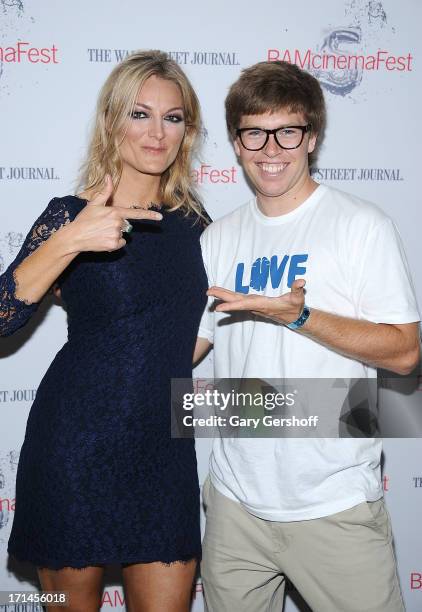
x,y
116,102
271,86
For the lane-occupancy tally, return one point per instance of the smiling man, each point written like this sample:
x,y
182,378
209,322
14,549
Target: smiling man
x,y
308,509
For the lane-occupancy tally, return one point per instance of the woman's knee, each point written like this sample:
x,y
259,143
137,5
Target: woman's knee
x,y
82,587
151,587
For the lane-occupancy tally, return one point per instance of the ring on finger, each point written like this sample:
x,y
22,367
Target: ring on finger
x,y
127,227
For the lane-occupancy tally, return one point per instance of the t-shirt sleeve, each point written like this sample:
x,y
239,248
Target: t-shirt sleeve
x,y
384,288
14,312
206,326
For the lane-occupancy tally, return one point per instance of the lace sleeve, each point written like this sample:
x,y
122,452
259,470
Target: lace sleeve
x,y
14,313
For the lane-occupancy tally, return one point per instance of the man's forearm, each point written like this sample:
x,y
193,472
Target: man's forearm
x,y
392,347
388,346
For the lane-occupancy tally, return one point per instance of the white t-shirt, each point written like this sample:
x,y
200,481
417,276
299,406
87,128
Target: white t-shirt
x,y
351,256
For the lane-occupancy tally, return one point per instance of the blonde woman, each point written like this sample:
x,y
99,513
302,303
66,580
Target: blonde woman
x,y
100,481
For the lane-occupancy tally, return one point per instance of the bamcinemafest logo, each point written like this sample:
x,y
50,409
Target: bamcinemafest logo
x,y
112,598
22,52
206,174
8,467
416,581
335,68
346,53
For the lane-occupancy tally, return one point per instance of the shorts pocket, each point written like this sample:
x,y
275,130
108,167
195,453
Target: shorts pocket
x,y
379,517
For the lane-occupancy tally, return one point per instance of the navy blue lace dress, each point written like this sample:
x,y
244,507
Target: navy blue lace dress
x,y
100,480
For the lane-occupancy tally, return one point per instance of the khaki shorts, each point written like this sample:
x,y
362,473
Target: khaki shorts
x,y
340,563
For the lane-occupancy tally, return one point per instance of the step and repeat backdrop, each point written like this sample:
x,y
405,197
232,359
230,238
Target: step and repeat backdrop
x,y
54,57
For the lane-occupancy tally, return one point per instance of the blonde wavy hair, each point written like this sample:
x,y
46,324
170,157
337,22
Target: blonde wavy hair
x,y
115,104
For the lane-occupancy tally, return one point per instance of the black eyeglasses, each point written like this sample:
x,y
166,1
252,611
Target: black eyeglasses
x,y
288,137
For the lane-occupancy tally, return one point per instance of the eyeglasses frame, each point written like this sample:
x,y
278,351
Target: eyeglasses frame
x,y
305,128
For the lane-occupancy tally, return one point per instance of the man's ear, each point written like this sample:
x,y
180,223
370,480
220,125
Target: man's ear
x,y
312,142
236,147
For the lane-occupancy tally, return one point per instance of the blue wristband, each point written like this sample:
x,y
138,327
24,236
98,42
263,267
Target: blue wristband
x,y
301,320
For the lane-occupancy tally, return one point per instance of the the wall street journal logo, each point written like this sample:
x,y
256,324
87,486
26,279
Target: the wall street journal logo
x,y
205,58
22,52
17,395
356,174
28,173
183,57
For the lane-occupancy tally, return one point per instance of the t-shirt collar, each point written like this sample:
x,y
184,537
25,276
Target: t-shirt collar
x,y
312,200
